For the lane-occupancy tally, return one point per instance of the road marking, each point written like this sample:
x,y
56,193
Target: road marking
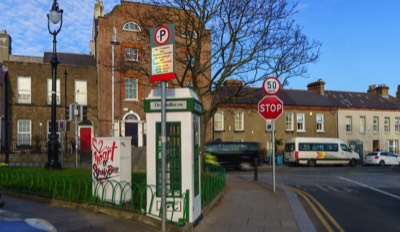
x,y
333,188
314,204
348,190
323,189
370,187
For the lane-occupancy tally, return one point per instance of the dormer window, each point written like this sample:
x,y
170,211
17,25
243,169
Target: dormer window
x,y
131,26
189,34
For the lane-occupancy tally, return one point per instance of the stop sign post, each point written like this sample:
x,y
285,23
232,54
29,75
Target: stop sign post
x,y
270,107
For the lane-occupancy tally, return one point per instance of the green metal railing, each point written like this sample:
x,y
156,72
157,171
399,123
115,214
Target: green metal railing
x,y
212,183
122,195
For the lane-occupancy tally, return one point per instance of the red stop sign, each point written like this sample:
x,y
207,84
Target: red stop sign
x,y
270,107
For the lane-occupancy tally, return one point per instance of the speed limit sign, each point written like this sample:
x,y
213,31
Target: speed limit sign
x,y
271,86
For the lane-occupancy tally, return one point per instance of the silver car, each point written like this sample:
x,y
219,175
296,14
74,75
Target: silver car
x,y
382,158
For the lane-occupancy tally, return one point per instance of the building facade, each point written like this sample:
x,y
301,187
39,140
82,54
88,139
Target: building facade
x,y
121,46
28,101
366,121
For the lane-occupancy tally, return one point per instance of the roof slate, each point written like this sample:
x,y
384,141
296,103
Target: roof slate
x,y
336,99
71,59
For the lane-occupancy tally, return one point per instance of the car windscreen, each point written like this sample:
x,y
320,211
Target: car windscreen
x,y
372,154
289,147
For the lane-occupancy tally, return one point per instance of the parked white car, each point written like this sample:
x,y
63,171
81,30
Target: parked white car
x,y
382,158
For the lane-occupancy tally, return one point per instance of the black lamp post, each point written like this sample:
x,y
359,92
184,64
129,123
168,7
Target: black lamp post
x,y
55,17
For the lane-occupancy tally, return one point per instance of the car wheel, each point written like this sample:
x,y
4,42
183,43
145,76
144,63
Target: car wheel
x,y
311,163
382,163
245,166
353,163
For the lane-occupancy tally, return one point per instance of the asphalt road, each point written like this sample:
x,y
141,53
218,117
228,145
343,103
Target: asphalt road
x,y
357,199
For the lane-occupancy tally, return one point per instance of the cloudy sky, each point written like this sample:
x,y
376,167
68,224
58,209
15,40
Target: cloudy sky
x,y
361,38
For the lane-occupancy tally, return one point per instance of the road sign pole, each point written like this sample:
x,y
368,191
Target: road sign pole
x,y
163,158
273,154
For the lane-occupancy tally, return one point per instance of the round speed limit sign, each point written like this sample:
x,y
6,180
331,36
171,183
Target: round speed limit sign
x,y
271,86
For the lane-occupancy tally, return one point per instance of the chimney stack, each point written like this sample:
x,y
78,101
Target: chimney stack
x,y
398,92
317,86
381,90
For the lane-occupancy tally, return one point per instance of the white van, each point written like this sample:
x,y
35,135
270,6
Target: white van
x,y
317,151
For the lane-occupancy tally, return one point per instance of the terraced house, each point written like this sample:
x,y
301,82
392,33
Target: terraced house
x,y
367,121
26,100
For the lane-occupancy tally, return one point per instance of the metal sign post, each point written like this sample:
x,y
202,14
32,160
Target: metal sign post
x,y
162,55
273,154
271,107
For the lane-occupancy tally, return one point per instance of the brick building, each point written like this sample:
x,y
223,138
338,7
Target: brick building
x,y
124,32
28,99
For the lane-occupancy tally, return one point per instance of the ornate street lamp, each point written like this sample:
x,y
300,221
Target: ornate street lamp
x,y
55,17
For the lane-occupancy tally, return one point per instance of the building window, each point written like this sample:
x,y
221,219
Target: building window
x,y
239,122
219,121
131,54
393,146
24,90
81,92
24,133
131,88
289,121
189,60
131,26
362,124
49,87
189,34
375,124
300,122
349,124
397,124
386,124
320,122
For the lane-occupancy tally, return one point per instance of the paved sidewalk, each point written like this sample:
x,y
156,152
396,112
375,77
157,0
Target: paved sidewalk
x,y
249,205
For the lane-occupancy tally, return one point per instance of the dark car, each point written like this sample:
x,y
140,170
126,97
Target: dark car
x,y
240,155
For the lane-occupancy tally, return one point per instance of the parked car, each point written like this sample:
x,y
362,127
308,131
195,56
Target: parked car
x,y
382,158
240,155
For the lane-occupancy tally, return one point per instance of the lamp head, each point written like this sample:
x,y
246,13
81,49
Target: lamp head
x,y
55,13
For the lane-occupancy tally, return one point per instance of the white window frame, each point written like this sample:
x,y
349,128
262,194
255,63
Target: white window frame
x,y
375,124
239,121
189,34
49,89
133,90
24,95
397,124
219,121
81,92
319,118
362,124
301,124
131,26
386,124
289,122
132,54
348,124
22,132
393,145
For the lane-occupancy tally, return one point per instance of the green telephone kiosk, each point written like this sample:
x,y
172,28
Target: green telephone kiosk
x,y
183,110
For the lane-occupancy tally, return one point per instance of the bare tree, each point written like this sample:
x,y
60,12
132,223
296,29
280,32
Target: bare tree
x,y
246,40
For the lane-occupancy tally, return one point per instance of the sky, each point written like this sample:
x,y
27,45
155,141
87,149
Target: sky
x,y
360,38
